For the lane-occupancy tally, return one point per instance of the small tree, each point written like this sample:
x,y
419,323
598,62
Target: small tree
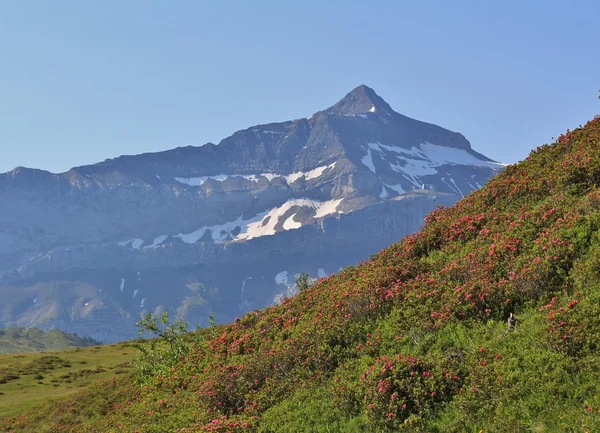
x,y
164,350
212,324
303,281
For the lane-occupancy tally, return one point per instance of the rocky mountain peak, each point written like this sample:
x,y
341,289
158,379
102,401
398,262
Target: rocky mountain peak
x,y
225,227
362,99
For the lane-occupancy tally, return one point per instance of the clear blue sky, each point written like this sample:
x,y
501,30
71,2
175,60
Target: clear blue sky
x,y
82,81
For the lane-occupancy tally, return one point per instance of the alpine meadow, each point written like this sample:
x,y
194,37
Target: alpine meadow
x,y
414,339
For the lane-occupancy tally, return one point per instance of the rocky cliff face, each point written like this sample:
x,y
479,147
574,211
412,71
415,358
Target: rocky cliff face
x,y
225,227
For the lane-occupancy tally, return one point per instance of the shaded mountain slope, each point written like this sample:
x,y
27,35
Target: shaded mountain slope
x,y
218,227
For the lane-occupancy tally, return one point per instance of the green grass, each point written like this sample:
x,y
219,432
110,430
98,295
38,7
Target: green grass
x,y
22,340
30,378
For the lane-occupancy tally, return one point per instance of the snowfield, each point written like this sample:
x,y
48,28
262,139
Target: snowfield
x,y
289,178
414,163
262,224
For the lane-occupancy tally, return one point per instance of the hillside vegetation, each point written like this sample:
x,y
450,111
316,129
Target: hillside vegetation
x,y
21,340
413,340
30,378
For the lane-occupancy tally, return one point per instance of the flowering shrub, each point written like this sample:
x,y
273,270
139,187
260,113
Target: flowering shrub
x,y
403,386
416,337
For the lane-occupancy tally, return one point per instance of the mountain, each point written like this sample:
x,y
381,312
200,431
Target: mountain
x,y
222,228
415,339
20,340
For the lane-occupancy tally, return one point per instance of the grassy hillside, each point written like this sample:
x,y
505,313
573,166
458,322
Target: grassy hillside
x,y
21,340
413,340
28,379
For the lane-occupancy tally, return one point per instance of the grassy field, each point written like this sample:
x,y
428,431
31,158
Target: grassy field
x,y
29,378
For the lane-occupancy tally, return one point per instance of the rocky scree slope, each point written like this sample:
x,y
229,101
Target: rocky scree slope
x,y
224,227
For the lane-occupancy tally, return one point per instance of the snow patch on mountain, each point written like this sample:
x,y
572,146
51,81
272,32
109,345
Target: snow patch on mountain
x,y
383,193
270,132
317,172
471,185
219,232
423,160
244,285
198,181
289,178
135,243
456,186
262,224
290,224
326,208
367,160
266,225
397,188
157,241
282,278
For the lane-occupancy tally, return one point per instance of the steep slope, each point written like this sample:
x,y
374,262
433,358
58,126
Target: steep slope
x,y
225,227
414,339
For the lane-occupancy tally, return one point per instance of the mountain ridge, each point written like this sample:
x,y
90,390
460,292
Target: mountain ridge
x,y
278,193
364,96
21,340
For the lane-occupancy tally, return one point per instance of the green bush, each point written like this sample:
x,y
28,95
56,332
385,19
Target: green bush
x,y
163,351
